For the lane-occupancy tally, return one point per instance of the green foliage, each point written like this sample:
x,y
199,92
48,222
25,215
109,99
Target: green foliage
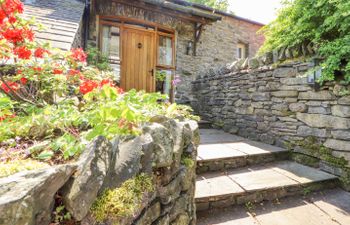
x,y
216,4
160,75
96,58
12,167
187,161
324,23
123,201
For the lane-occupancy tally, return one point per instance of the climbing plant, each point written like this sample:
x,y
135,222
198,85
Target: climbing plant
x,y
324,23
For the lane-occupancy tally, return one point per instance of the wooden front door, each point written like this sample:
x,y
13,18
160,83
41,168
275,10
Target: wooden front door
x,y
138,59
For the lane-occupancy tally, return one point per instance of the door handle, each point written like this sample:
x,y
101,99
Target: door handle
x,y
152,72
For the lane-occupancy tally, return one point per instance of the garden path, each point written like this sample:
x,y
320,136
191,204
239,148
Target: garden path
x,y
240,181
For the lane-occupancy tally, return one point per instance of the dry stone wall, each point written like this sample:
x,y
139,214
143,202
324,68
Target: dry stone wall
x,y
275,105
166,152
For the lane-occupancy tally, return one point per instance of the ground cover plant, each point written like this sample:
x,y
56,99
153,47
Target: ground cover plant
x,y
325,24
52,103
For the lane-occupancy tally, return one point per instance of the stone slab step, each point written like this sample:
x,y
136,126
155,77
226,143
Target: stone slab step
x,y
259,183
203,124
329,207
219,151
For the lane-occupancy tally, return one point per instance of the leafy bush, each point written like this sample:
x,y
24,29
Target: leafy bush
x,y
52,104
324,23
96,58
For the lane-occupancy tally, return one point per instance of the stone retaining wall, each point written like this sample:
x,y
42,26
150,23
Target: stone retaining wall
x,y
166,152
277,106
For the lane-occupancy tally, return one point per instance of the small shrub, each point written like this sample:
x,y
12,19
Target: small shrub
x,y
123,201
12,167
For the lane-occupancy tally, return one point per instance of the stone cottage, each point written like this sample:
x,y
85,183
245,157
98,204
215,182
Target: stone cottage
x,y
150,42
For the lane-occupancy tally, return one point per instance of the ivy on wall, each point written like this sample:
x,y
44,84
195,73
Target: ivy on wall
x,y
324,23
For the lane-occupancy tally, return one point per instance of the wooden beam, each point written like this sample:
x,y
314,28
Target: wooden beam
x,y
161,10
198,28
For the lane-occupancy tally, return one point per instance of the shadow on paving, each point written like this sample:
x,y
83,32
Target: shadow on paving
x,y
323,208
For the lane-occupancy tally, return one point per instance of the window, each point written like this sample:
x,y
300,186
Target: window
x,y
165,51
242,51
110,46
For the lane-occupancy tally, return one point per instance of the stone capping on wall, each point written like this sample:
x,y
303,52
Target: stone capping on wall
x,y
275,104
162,151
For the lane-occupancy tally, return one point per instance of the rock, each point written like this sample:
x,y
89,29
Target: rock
x,y
27,198
338,89
341,134
340,110
163,145
261,96
324,121
345,155
308,131
127,160
294,81
151,214
253,63
282,54
245,64
284,72
320,95
83,187
165,220
337,145
171,191
284,93
236,65
319,110
344,100
182,219
297,107
267,58
179,207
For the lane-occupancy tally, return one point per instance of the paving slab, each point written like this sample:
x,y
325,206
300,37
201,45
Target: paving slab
x,y
252,147
215,184
300,173
259,179
218,136
323,208
217,151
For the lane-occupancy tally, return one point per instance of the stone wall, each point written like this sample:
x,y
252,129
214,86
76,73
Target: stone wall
x,y
166,152
217,45
275,105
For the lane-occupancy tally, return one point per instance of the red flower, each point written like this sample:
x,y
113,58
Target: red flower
x,y
2,118
23,80
22,52
88,86
106,82
57,71
78,54
9,8
14,36
6,88
39,52
73,72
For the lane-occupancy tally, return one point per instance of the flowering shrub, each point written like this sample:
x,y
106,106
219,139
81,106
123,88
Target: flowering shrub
x,y
52,103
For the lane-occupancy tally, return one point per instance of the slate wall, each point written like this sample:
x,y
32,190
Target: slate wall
x,y
166,152
275,105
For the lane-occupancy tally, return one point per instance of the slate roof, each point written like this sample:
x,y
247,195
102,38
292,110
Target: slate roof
x,y
61,19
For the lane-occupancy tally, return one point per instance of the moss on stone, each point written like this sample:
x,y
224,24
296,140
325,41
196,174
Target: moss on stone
x,y
306,160
123,201
12,167
188,162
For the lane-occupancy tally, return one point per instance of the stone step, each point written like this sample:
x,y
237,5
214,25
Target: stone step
x,y
258,183
203,124
219,151
329,207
